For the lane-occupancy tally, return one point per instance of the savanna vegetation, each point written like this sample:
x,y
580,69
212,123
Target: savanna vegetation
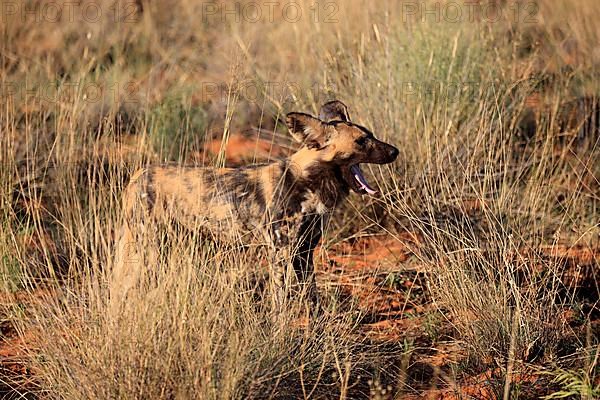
x,y
473,275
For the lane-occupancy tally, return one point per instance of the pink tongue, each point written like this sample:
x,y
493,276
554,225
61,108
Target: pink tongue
x,y
361,179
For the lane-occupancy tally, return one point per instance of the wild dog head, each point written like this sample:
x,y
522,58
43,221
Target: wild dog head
x,y
337,143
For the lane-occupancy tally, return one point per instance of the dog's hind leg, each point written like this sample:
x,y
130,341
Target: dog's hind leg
x,y
136,255
126,268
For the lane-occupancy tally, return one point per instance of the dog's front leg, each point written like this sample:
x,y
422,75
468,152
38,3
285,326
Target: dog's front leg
x,y
279,261
309,235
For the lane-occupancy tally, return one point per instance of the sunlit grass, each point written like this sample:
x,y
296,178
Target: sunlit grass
x,y
480,188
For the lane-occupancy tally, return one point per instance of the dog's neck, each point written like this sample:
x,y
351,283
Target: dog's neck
x,y
319,177
303,161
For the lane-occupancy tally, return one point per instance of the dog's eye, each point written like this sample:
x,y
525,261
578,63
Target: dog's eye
x,y
361,141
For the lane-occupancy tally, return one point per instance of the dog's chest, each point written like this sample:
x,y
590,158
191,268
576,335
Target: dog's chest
x,y
291,226
313,205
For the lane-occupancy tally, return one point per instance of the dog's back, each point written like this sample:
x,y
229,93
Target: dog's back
x,y
232,203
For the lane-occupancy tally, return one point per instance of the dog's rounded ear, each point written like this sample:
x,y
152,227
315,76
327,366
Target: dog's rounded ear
x,y
334,111
306,129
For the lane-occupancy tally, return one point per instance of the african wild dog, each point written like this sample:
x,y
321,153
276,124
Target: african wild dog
x,y
284,204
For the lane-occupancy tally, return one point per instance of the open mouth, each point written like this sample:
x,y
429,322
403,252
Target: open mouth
x,y
360,184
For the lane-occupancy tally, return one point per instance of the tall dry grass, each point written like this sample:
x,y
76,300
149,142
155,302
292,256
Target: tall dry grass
x,y
485,178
